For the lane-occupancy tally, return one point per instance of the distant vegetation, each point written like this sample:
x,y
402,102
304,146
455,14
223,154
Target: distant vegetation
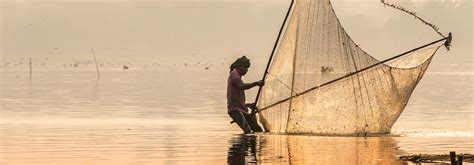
x,y
46,62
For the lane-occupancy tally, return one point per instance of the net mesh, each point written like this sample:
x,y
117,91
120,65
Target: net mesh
x,y
301,96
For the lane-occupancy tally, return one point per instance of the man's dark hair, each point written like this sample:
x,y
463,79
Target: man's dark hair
x,y
242,61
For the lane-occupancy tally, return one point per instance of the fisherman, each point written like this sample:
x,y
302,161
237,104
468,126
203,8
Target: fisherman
x,y
237,109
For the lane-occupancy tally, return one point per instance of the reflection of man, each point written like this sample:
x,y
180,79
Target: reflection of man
x,y
240,149
237,109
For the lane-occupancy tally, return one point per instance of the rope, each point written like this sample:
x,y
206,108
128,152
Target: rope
x,y
401,8
447,44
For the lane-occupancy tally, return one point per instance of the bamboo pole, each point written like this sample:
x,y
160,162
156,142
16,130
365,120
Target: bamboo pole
x,y
96,65
273,51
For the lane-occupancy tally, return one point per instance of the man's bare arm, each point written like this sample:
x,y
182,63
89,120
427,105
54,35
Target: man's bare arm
x,y
245,86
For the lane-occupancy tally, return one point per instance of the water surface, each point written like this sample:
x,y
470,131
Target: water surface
x,y
177,115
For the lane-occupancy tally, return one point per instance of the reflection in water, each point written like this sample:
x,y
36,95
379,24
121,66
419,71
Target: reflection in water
x,y
243,149
295,149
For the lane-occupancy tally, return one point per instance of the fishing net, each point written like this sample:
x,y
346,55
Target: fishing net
x,y
321,82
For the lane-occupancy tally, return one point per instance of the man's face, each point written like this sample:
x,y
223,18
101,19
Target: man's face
x,y
243,70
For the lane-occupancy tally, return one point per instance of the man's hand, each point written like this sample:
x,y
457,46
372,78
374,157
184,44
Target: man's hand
x,y
252,106
245,112
260,83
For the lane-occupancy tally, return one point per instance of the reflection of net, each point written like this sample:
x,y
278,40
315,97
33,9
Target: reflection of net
x,y
301,96
316,150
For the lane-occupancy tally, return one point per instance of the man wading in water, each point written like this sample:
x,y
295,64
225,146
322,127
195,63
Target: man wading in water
x,y
237,109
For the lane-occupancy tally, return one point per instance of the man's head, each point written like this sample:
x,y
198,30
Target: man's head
x,y
242,65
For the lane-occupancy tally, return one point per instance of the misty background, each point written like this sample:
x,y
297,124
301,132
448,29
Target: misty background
x,y
143,32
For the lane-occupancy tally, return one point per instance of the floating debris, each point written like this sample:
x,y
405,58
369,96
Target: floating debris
x,y
426,158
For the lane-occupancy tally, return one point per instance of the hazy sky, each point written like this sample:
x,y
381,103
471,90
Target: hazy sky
x,y
179,31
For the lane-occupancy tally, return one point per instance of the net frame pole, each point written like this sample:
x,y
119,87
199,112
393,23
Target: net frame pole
x,y
273,51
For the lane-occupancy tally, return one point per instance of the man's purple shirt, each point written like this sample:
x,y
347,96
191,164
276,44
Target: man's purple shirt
x,y
235,95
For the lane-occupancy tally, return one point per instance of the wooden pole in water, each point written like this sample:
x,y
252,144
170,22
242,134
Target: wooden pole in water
x,y
31,70
460,158
96,65
452,155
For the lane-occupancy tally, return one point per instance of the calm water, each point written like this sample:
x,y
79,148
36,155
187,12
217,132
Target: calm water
x,y
178,116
